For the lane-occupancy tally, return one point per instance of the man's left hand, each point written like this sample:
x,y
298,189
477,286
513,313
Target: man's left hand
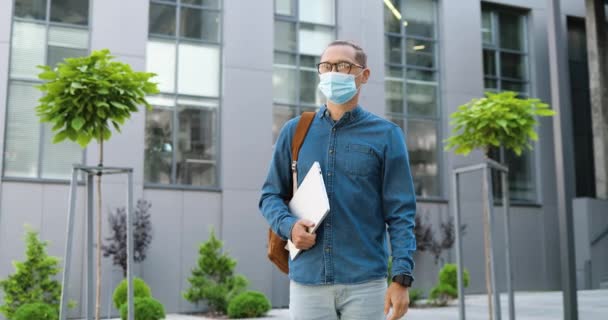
x,y
397,297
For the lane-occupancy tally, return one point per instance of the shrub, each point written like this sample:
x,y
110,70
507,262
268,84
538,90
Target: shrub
x,y
33,280
140,290
415,296
146,308
249,304
447,288
37,310
213,279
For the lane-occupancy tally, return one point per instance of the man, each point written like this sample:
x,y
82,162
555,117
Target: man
x,y
342,272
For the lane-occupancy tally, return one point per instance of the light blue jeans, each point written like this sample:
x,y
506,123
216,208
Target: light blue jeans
x,y
363,301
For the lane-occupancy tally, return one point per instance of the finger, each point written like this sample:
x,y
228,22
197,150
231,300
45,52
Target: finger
x,y
387,304
307,223
397,314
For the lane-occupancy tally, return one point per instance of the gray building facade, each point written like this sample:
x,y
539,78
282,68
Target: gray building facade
x,y
231,72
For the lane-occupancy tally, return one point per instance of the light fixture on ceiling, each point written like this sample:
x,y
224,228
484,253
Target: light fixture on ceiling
x,y
419,47
394,10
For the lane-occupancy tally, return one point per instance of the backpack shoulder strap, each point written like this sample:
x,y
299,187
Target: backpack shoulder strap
x,y
298,139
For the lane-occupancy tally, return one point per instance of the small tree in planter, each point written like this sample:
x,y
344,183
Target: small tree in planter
x,y
82,98
497,120
116,246
213,279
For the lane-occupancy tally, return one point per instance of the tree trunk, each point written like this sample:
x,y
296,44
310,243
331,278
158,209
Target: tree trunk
x,y
99,220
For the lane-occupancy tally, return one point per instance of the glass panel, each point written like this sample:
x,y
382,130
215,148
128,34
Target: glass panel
x,y
420,18
284,84
160,59
486,27
514,86
421,99
317,11
284,7
490,84
511,31
420,53
513,66
196,146
394,96
392,17
198,70
422,147
285,58
66,43
489,62
162,19
394,72
27,49
521,176
314,39
280,115
58,158
398,121
422,75
205,3
158,153
22,131
285,36
70,11
393,52
309,93
30,9
200,24
309,62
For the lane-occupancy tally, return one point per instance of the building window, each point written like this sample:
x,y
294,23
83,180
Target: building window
x,y
43,32
181,143
505,66
412,85
302,30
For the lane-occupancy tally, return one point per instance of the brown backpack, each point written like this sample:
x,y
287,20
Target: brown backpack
x,y
276,246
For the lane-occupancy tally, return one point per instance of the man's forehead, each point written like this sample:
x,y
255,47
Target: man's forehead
x,y
339,53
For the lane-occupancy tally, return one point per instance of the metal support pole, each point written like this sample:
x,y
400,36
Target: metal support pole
x,y
562,140
90,252
505,204
131,310
487,178
461,307
68,246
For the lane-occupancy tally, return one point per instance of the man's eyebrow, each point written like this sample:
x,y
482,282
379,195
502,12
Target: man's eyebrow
x,y
338,61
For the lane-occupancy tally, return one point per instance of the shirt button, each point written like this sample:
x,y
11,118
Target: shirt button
x,y
329,174
334,129
331,150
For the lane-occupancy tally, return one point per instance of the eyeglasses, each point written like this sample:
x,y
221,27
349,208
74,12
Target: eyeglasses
x,y
342,67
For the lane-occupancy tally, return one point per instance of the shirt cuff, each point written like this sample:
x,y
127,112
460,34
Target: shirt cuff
x,y
402,266
286,226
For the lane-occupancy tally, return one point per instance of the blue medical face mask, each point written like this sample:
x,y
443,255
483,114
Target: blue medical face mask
x,y
339,88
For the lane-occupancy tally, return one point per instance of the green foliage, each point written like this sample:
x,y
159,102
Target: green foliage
x,y
213,279
140,290
447,288
83,95
146,308
38,311
499,119
249,304
33,280
415,295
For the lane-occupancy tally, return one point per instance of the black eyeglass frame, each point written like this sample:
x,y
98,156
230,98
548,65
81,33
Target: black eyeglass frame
x,y
332,65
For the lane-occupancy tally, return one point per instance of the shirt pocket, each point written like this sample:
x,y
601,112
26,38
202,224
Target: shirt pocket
x,y
361,160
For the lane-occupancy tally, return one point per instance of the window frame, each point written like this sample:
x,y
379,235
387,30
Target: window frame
x,y
176,40
527,52
298,106
48,24
405,116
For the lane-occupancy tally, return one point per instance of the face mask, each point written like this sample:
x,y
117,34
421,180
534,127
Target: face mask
x,y
338,87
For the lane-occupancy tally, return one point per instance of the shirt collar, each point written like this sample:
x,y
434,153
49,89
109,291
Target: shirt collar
x,y
349,116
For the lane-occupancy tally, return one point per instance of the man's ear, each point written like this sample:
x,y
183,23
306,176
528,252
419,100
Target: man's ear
x,y
365,75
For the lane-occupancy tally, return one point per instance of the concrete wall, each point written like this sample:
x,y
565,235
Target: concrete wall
x,y
182,218
590,223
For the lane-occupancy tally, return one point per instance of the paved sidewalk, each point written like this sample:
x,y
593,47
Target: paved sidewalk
x,y
593,305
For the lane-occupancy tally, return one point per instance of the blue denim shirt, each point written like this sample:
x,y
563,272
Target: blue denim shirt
x,y
366,171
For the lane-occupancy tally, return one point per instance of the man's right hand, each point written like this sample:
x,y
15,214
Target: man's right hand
x,y
300,236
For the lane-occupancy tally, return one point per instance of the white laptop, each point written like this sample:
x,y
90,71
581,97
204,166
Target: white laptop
x,y
310,202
